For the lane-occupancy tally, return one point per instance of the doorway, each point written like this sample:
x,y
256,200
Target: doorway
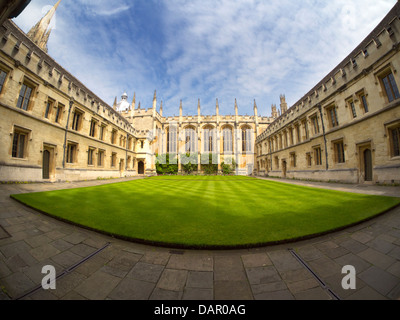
x,y
141,167
46,165
284,168
368,174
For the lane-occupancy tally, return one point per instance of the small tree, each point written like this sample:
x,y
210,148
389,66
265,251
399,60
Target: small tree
x,y
228,169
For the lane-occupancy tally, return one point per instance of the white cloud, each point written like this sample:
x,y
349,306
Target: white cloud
x,y
207,49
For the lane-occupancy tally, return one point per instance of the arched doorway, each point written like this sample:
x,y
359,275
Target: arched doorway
x,y
46,164
368,165
141,167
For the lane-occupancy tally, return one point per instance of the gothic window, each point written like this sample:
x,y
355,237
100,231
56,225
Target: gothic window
x,y
209,139
172,140
93,125
59,112
49,107
190,140
3,76
24,96
228,139
72,151
246,140
77,120
332,116
91,152
339,152
19,145
100,158
314,121
395,141
389,83
318,156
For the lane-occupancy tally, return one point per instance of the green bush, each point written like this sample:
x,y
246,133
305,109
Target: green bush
x,y
189,162
166,164
228,169
207,164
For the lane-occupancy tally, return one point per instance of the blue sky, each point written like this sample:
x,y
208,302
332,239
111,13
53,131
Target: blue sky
x,y
205,49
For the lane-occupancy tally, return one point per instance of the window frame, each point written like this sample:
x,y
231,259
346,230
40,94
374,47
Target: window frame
x,y
317,155
16,150
93,127
3,83
390,84
77,120
72,153
24,102
101,156
333,118
91,158
391,130
339,152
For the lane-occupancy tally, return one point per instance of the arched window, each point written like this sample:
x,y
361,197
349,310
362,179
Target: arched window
x,y
190,140
171,140
246,139
228,139
209,139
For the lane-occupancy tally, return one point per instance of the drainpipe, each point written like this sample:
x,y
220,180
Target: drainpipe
x,y
71,102
323,130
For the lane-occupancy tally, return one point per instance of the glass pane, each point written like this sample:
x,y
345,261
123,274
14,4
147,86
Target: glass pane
x,y
388,89
21,146
27,97
2,79
394,86
15,145
396,142
364,100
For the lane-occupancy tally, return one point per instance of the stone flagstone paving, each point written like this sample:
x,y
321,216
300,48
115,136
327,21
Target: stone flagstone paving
x,y
125,270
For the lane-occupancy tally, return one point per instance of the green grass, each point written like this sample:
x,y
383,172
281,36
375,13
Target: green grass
x,y
208,211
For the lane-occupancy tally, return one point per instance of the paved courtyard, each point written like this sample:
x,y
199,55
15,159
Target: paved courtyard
x,y
96,267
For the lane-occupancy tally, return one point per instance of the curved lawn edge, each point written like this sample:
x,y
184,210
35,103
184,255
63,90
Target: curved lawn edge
x,y
209,247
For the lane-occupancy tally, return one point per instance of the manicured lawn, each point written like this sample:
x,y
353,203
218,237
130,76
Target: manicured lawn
x,y
208,211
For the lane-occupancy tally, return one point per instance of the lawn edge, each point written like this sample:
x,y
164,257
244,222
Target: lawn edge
x,y
207,247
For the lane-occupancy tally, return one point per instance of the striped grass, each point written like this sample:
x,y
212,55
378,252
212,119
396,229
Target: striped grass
x,y
208,211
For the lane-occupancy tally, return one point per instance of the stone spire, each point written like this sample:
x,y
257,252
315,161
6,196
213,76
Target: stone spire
x,y
217,109
274,113
133,106
180,110
199,109
161,109
236,108
255,108
40,33
284,106
155,100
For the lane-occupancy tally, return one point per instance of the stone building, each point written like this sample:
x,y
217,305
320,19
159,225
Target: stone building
x,y
53,128
346,128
